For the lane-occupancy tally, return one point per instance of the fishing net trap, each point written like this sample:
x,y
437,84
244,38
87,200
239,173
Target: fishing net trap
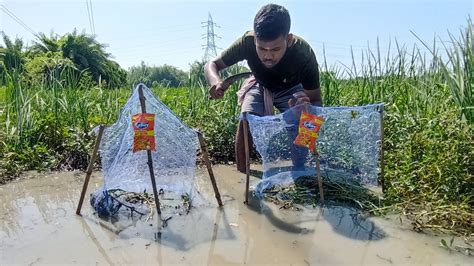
x,y
148,162
342,145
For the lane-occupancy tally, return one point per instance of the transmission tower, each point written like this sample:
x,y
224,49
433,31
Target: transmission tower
x,y
210,46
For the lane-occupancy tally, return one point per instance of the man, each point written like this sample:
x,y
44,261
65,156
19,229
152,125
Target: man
x,y
284,67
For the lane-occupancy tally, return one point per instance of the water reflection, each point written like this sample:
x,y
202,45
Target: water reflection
x,y
351,223
345,220
94,239
40,201
201,225
259,206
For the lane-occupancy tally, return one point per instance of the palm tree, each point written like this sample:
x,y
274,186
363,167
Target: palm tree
x,y
12,55
45,44
85,52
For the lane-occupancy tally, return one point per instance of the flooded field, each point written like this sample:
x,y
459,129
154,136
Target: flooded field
x,y
38,225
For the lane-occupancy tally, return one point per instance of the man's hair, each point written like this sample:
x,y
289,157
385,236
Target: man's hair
x,y
271,22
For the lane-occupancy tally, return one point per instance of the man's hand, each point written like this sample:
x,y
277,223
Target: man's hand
x,y
217,91
211,73
298,98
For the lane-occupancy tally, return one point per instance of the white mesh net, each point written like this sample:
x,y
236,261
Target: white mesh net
x,y
348,143
127,173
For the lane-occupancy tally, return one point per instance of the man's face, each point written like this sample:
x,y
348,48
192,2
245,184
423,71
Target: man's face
x,y
271,52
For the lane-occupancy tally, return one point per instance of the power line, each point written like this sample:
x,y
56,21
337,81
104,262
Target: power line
x,y
90,15
157,35
153,46
160,54
178,51
18,20
210,47
146,32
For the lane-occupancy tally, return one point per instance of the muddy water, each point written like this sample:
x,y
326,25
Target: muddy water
x,y
38,225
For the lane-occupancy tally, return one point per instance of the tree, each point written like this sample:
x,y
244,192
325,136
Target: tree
x,y
46,44
50,69
196,73
165,76
12,54
86,54
168,76
139,74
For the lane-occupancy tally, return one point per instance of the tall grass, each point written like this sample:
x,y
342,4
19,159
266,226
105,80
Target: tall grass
x,y
46,124
458,68
59,101
405,80
429,144
460,75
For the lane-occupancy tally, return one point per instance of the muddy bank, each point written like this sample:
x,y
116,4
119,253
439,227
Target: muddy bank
x,y
38,225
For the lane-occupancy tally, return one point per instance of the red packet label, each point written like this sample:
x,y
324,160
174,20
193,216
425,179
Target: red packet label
x,y
143,132
308,130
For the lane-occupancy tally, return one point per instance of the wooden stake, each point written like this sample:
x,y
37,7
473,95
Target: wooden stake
x,y
318,166
382,163
89,168
320,181
205,154
247,156
150,159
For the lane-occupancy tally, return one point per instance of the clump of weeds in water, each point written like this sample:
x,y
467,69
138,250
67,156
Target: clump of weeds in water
x,y
305,192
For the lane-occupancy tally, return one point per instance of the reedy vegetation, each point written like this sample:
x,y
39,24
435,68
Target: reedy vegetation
x,y
428,142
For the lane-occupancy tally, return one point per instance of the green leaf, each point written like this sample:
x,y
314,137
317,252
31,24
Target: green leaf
x,y
444,244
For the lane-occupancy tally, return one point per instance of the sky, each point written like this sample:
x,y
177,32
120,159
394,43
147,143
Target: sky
x,y
173,31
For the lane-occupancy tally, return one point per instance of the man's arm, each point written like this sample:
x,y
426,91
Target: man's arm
x,y
310,81
211,73
314,96
211,70
233,54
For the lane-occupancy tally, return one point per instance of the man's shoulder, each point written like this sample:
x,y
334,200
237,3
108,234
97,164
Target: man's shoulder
x,y
249,36
300,42
246,40
301,49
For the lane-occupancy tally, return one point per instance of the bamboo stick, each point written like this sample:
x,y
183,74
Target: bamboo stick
x,y
247,156
320,181
150,159
382,163
90,167
205,154
318,166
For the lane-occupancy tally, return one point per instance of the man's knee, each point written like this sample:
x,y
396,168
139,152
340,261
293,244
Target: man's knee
x,y
253,102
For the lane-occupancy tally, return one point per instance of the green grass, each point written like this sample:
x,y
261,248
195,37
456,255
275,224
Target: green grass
x,y
3,92
3,100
